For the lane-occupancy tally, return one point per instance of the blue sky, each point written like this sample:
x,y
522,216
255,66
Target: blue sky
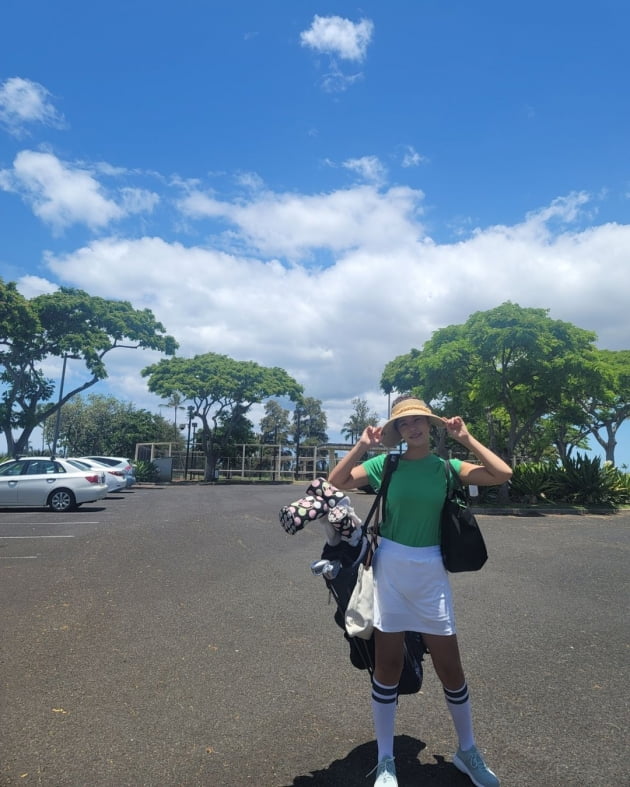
x,y
318,186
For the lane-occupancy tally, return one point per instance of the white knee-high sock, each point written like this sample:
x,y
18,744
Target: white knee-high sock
x,y
458,703
384,702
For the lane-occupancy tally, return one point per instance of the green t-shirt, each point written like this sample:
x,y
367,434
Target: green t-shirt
x,y
414,499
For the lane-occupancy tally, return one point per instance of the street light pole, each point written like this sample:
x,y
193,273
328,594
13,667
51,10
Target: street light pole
x,y
275,453
298,413
58,418
191,410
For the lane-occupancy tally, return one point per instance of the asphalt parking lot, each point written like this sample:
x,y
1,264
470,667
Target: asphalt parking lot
x,y
175,636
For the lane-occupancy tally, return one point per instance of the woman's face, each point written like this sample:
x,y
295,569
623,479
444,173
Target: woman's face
x,y
414,429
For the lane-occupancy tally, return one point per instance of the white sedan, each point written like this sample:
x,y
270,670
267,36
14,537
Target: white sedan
x,y
117,465
54,483
114,480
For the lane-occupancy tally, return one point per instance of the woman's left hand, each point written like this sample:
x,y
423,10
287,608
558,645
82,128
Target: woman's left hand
x,y
456,428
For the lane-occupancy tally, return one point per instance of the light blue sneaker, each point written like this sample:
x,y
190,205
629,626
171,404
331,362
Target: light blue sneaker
x,y
385,773
471,763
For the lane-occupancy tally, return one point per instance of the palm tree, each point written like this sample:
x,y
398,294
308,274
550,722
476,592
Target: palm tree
x,y
360,418
176,403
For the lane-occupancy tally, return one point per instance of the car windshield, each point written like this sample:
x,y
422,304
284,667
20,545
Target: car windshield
x,y
77,463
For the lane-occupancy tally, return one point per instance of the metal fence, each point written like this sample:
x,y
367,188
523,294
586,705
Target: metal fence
x,y
252,461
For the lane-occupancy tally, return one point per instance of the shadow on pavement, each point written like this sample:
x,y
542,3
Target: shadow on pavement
x,y
353,769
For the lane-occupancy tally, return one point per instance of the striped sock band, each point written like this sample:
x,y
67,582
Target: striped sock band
x,y
384,694
458,697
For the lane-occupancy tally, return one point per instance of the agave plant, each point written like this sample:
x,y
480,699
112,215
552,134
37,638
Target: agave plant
x,y
533,481
585,481
146,471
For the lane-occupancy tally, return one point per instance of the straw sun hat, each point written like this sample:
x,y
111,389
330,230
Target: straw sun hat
x,y
390,436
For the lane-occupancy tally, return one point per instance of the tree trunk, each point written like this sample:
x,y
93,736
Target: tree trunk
x,y
211,462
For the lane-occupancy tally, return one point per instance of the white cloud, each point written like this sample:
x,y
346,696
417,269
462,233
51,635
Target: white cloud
x,y
411,157
31,286
563,209
369,168
23,102
334,328
138,200
62,194
293,225
334,35
59,194
335,81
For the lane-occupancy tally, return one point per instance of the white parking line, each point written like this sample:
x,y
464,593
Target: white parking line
x,y
3,538
56,522
19,557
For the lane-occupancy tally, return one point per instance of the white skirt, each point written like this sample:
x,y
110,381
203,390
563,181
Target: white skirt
x,y
411,590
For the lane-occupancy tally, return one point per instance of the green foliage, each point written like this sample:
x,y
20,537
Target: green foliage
x,y
105,426
176,403
232,429
581,481
608,405
222,391
146,471
585,481
309,422
275,424
511,361
361,417
534,480
623,493
90,327
65,323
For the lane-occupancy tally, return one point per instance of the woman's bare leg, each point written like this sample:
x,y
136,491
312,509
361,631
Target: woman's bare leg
x,y
388,651
446,660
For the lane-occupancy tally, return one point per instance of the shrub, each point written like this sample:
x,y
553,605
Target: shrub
x,y
146,471
585,481
534,480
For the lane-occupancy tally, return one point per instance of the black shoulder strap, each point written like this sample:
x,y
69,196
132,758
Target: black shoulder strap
x,y
391,463
453,482
448,471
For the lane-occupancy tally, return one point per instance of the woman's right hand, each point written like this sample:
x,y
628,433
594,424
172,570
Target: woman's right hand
x,y
371,436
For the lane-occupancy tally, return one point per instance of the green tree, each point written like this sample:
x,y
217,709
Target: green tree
x,y
558,439
509,365
233,430
65,323
176,403
310,422
275,424
105,426
606,407
222,391
361,417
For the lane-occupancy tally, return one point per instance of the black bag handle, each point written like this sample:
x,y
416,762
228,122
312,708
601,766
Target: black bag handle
x,y
457,485
391,463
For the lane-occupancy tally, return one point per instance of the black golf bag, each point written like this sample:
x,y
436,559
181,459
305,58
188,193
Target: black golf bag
x,y
342,555
362,650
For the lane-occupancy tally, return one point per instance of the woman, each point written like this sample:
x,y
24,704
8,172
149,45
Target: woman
x,y
412,590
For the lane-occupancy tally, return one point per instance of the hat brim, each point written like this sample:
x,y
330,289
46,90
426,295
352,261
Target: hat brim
x,y
390,436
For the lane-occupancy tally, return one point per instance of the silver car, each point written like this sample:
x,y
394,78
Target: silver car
x,y
113,479
39,481
117,465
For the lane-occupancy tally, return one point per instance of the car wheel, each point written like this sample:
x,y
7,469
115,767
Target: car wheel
x,y
62,500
